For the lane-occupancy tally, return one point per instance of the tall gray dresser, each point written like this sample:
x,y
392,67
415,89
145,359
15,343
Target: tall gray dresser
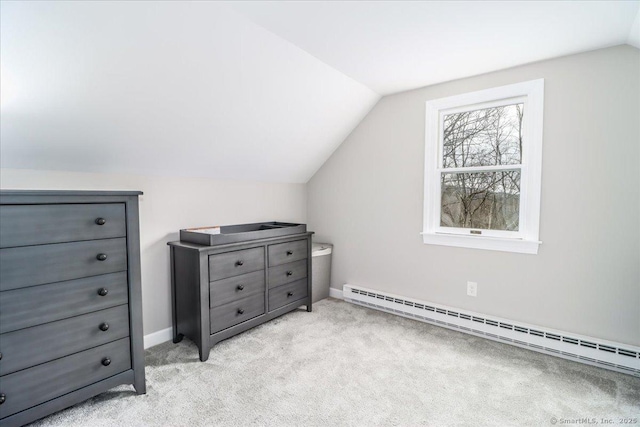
x,y
70,299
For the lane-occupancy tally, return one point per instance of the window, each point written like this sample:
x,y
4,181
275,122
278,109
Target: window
x,y
483,155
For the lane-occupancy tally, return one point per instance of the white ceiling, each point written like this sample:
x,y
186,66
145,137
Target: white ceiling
x,y
634,33
166,88
250,90
395,46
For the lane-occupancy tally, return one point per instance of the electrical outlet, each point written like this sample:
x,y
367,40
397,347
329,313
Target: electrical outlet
x,y
472,289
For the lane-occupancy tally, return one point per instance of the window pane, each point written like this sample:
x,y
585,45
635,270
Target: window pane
x,y
488,137
483,200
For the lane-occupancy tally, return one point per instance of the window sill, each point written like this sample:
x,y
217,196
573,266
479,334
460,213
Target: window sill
x,y
482,242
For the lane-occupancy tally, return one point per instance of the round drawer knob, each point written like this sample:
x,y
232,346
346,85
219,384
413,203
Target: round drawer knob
x,y
239,262
103,292
240,287
289,253
101,257
289,273
104,327
3,397
240,311
106,361
101,221
289,294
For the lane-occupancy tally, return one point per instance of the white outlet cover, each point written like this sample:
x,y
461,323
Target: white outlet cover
x,y
472,289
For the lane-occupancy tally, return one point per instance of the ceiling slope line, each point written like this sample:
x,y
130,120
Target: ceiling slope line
x,y
634,32
301,49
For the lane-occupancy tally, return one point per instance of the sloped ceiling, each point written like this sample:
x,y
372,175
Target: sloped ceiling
x,y
393,46
250,90
173,88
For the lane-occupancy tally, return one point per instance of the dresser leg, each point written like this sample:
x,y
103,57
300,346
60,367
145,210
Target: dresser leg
x,y
204,353
177,337
140,387
309,309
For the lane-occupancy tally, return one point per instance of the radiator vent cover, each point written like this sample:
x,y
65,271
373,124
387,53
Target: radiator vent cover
x,y
618,357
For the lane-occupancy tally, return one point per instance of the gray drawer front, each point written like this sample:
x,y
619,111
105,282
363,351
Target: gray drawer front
x,y
235,263
30,387
286,273
36,265
283,295
287,252
32,346
26,307
234,288
228,315
24,225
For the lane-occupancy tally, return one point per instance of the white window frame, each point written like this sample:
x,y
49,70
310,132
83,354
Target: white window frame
x,y
526,239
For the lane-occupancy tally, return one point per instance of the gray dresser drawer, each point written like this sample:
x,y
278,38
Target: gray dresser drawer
x,y
24,225
287,252
286,273
36,265
235,312
283,295
26,307
32,346
234,288
235,263
30,387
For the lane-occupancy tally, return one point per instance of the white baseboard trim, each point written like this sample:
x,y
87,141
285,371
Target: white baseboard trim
x,y
158,337
335,293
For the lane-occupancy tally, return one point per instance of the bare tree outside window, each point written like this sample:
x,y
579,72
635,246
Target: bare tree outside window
x,y
474,141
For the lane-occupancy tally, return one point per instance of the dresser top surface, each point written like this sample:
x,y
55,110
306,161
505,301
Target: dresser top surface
x,y
246,243
69,193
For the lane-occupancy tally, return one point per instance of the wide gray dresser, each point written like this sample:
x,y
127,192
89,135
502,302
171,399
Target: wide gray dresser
x,y
70,299
222,290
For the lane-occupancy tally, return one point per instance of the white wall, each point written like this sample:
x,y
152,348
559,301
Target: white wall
x,y
367,200
169,204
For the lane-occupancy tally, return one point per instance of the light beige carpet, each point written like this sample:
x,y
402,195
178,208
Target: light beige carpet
x,y
345,365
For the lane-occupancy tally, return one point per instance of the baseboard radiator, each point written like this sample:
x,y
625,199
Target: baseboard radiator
x,y
609,355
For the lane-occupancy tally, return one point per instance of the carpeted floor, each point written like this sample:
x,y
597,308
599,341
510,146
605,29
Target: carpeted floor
x,y
345,365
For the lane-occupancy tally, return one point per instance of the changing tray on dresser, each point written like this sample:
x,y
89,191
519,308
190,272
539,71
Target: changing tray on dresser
x,y
70,299
221,290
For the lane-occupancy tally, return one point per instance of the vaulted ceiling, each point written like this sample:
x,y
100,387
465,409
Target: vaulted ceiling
x,y
250,90
392,46
185,88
